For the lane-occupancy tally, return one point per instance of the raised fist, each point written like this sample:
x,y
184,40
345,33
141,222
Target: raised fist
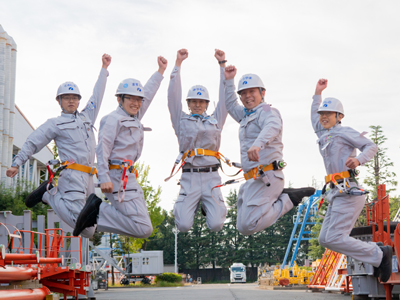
x,y
230,72
219,55
162,64
106,59
321,85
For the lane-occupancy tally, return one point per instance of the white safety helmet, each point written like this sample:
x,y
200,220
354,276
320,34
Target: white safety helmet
x,y
198,92
250,81
130,86
68,87
331,104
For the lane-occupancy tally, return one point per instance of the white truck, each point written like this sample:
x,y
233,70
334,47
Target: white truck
x,y
238,273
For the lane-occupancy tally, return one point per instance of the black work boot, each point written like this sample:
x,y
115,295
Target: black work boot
x,y
376,270
385,268
88,215
297,195
36,196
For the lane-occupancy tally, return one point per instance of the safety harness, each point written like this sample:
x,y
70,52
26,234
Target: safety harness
x,y
258,172
183,156
341,181
126,166
261,169
65,165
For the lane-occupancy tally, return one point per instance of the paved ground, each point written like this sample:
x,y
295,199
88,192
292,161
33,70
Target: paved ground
x,y
212,291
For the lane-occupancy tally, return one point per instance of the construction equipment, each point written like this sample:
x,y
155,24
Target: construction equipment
x,y
305,212
330,274
37,263
378,229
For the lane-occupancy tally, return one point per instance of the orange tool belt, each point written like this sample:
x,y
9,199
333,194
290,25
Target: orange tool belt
x,y
205,152
337,176
255,172
119,167
81,168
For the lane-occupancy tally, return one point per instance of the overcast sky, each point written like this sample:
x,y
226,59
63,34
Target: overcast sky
x,y
289,44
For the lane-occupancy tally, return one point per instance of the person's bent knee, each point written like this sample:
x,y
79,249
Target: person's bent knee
x,y
247,229
183,227
88,232
331,242
147,230
215,227
322,241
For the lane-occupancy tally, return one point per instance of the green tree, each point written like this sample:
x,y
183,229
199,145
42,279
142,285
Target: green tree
x,y
14,200
164,239
379,166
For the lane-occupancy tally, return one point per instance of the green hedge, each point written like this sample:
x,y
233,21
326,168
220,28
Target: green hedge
x,y
169,277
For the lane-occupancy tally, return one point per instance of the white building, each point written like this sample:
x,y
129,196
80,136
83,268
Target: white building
x,y
34,170
14,127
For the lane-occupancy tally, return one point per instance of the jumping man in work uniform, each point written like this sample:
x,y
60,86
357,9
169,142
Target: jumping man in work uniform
x,y
73,135
262,199
199,137
120,145
338,146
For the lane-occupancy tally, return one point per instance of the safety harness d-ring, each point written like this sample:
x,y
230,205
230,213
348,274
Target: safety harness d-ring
x,y
127,165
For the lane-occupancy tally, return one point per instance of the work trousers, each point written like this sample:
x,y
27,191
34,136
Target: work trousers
x,y
259,206
129,217
195,187
341,215
72,190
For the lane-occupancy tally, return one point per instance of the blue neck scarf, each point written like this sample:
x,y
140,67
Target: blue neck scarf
x,y
247,112
200,116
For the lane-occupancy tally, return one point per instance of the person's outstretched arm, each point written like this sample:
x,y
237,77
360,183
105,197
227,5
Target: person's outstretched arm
x,y
221,112
152,85
232,105
35,142
175,91
92,107
317,99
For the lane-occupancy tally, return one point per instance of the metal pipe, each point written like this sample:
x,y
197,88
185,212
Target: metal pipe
x,y
20,256
3,41
17,273
6,110
26,294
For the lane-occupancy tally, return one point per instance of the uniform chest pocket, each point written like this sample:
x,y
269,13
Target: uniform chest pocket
x,y
134,129
250,128
69,130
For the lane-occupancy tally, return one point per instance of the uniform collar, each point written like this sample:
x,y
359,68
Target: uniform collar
x,y
202,116
122,111
69,116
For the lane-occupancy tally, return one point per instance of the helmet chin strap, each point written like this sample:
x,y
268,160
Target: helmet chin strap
x,y
262,97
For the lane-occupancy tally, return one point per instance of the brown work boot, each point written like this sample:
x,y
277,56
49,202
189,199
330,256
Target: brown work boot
x,y
297,195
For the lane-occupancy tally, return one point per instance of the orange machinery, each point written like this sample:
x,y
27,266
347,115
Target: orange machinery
x,y
45,265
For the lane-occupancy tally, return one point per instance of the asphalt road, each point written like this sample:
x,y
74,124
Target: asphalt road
x,y
213,291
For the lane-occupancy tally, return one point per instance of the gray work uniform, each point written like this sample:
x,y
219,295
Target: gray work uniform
x,y
74,137
259,206
121,138
197,132
336,145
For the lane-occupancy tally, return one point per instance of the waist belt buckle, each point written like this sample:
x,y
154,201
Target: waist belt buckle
x,y
196,151
91,171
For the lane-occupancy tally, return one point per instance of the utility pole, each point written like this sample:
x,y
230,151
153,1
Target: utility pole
x,y
176,231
